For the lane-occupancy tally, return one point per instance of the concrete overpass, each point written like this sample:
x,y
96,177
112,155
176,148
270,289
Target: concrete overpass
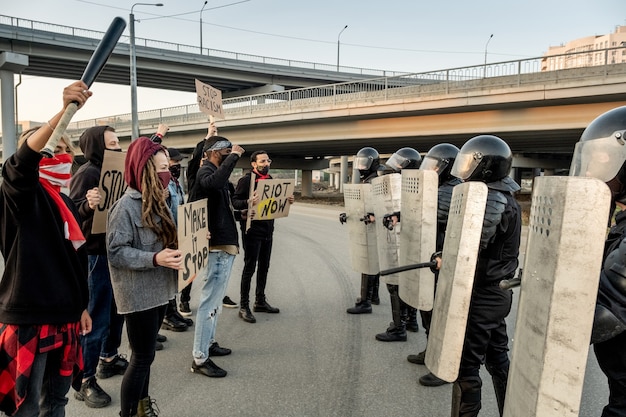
x,y
541,114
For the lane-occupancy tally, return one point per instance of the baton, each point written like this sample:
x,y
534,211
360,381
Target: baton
x,y
507,284
95,65
409,267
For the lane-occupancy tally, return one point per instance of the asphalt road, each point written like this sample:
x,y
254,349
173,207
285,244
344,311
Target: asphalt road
x,y
312,359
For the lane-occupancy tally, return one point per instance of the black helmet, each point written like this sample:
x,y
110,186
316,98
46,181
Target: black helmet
x,y
367,160
403,158
601,151
485,158
440,159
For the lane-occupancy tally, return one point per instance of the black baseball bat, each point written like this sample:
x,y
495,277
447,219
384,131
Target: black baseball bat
x,y
94,67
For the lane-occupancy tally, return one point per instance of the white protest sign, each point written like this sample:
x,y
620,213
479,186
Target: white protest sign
x,y
111,186
193,242
209,100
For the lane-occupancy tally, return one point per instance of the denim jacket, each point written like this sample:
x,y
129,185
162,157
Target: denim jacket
x,y
138,285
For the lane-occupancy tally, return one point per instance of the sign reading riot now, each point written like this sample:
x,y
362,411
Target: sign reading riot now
x,y
273,198
209,100
111,186
193,242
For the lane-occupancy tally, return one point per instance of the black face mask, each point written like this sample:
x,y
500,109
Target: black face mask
x,y
114,150
264,170
175,170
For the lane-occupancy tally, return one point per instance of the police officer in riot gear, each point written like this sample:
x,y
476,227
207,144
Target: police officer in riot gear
x,y
367,162
601,153
440,159
404,316
488,159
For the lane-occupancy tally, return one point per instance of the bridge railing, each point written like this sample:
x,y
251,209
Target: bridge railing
x,y
169,46
500,74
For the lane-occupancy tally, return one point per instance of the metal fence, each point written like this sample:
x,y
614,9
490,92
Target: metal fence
x,y
169,46
454,80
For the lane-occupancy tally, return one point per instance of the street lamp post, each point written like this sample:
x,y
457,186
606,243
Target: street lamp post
x,y
133,72
201,10
485,66
344,28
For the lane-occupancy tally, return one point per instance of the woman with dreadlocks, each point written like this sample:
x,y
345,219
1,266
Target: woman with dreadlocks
x,y
143,255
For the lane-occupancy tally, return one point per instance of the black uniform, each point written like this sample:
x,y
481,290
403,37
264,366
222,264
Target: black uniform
x,y
486,339
608,335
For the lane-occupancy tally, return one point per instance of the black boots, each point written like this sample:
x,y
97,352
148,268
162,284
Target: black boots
x,y
396,332
466,397
262,306
375,284
364,305
246,314
393,334
411,320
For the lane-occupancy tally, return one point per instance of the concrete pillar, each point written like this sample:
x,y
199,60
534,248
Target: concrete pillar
x,y
331,180
344,173
307,183
337,181
10,63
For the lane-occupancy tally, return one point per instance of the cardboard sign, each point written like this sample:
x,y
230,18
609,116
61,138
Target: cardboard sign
x,y
209,100
273,195
193,229
112,186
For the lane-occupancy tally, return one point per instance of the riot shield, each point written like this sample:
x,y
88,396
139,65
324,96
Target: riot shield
x,y
557,299
456,279
362,237
385,198
418,236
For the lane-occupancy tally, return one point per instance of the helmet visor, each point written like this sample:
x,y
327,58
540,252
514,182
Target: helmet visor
x,y
363,163
465,164
599,158
397,162
434,164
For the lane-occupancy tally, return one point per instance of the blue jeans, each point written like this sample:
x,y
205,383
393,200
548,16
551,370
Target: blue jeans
x,y
105,336
47,389
214,280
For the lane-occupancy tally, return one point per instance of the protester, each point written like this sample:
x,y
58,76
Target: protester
x,y
212,183
195,162
142,248
43,292
101,345
174,197
488,159
257,240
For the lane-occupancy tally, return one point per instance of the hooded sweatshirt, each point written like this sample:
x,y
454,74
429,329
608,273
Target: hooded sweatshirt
x,y
45,278
91,142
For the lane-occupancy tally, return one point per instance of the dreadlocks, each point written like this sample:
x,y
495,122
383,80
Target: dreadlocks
x,y
154,205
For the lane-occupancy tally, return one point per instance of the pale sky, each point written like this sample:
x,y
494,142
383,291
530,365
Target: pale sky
x,y
401,35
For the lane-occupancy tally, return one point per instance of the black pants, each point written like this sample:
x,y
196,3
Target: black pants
x,y
142,328
257,253
611,357
486,342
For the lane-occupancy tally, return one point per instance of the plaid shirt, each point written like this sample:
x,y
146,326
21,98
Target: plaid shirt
x,y
18,347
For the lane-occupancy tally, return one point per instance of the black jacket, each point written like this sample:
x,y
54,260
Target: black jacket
x,y
44,279
499,244
87,177
212,183
260,229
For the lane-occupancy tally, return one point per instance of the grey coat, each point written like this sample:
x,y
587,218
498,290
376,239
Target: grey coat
x,y
138,285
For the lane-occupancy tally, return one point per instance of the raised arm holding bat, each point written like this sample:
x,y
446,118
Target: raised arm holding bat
x,y
44,284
